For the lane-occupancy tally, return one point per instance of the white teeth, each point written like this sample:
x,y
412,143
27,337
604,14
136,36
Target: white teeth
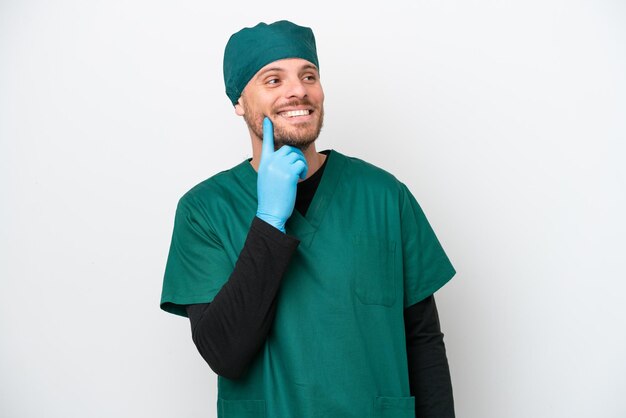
x,y
293,113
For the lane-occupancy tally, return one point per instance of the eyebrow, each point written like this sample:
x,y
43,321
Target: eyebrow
x,y
279,69
309,67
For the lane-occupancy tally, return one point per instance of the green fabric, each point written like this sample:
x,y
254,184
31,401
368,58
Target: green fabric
x,y
251,49
337,347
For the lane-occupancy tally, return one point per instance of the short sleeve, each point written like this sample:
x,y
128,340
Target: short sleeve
x,y
197,265
426,265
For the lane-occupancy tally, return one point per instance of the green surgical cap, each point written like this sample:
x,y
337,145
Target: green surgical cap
x,y
251,49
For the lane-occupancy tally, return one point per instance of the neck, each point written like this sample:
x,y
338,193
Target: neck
x,y
314,159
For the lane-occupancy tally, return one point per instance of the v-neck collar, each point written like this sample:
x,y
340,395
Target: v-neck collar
x,y
303,227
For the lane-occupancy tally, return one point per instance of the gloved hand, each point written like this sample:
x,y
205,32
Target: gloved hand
x,y
278,176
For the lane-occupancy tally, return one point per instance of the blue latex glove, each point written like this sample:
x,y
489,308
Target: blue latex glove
x,y
278,176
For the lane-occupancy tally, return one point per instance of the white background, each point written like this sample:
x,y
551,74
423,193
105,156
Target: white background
x,y
506,119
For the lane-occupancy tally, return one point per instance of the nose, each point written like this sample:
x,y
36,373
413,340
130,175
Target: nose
x,y
295,89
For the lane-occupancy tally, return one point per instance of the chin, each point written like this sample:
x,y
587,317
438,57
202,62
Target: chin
x,y
301,144
298,136
300,140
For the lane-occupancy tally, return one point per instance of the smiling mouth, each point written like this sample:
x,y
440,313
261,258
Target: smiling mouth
x,y
295,113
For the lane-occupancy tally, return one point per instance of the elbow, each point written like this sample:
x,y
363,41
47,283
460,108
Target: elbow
x,y
229,371
228,363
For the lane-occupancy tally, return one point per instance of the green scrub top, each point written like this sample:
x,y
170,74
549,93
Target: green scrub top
x,y
337,347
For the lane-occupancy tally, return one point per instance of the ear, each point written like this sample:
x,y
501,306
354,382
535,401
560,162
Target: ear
x,y
239,108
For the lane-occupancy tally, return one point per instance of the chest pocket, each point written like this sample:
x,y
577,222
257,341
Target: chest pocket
x,y
374,270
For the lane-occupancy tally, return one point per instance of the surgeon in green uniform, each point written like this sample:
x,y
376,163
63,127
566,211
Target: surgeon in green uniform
x,y
302,313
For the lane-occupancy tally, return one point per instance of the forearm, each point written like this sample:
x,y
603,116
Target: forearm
x,y
230,330
429,373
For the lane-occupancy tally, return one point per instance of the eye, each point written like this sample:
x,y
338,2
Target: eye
x,y
272,81
310,78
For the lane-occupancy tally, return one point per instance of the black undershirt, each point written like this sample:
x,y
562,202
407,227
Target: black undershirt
x,y
231,330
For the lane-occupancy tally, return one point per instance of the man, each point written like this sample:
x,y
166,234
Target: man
x,y
308,277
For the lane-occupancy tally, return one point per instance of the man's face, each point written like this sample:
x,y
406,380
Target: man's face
x,y
289,93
